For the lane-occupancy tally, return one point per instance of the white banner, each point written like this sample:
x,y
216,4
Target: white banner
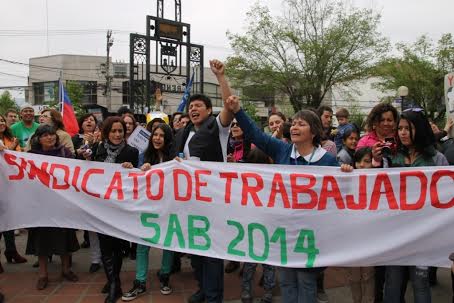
x,y
295,216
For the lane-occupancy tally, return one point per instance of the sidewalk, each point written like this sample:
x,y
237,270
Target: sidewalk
x,y
18,282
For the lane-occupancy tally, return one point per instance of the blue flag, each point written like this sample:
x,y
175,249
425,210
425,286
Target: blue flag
x,y
186,94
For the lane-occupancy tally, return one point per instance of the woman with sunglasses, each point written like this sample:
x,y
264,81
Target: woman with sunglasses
x,y
237,150
238,147
415,148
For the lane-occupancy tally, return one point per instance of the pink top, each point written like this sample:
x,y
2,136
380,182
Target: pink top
x,y
368,140
330,147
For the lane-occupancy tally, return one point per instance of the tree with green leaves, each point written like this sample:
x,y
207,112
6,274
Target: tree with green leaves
x,y
251,110
315,45
75,92
421,66
7,102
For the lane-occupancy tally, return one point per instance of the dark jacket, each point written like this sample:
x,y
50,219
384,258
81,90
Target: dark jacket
x,y
128,154
59,151
204,144
78,142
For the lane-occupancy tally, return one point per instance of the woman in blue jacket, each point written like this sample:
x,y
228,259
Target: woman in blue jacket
x,y
297,284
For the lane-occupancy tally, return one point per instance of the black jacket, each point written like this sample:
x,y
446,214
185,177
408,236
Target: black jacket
x,y
204,144
128,154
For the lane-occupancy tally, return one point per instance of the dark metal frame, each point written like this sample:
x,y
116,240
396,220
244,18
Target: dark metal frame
x,y
171,53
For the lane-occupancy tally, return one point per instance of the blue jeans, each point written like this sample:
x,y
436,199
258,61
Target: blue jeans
x,y
298,285
269,276
209,273
419,277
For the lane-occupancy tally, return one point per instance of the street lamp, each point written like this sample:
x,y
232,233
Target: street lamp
x,y
402,92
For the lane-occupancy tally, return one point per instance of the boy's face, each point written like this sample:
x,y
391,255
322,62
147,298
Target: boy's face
x,y
326,118
342,120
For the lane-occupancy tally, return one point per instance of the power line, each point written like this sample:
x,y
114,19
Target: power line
x,y
20,76
47,67
66,32
55,69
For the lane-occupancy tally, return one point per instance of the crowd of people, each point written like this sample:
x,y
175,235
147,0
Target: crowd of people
x,y
387,139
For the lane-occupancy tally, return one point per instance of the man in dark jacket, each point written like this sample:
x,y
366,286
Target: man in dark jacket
x,y
205,139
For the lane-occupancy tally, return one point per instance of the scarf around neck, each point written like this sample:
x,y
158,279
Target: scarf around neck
x,y
113,151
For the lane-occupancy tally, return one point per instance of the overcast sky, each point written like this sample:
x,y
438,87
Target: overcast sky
x,y
24,22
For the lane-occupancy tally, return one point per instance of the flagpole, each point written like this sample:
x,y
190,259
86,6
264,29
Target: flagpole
x,y
60,93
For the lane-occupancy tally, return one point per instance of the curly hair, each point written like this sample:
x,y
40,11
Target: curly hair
x,y
82,119
376,112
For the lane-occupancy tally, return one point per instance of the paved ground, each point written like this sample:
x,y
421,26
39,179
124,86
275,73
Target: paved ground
x,y
18,282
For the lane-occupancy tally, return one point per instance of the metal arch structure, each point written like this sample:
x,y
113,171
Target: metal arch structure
x,y
165,52
160,10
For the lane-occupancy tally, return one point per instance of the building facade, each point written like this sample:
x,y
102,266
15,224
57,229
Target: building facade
x,y
90,73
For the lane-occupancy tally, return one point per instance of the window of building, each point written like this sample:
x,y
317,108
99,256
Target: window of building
x,y
213,91
88,91
45,92
120,70
125,90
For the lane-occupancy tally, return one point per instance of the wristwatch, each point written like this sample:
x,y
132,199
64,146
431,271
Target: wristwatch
x,y
444,139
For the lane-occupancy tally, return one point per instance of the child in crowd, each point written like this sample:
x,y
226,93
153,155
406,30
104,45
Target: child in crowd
x,y
362,280
342,118
350,141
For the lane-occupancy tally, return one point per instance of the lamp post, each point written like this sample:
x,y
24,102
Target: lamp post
x,y
402,91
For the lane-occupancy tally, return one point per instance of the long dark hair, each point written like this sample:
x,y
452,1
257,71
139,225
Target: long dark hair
x,y
82,119
424,138
7,133
41,131
151,155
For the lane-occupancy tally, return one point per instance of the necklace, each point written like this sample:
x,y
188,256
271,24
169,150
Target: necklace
x,y
310,159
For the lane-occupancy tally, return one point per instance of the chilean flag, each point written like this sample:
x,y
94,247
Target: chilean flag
x,y
67,112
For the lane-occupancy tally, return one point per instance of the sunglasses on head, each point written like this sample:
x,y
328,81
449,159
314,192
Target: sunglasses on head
x,y
414,109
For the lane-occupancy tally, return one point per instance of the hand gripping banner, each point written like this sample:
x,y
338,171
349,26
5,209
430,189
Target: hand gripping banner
x,y
293,216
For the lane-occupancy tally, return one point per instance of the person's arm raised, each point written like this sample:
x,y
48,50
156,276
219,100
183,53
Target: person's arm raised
x,y
218,68
271,146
